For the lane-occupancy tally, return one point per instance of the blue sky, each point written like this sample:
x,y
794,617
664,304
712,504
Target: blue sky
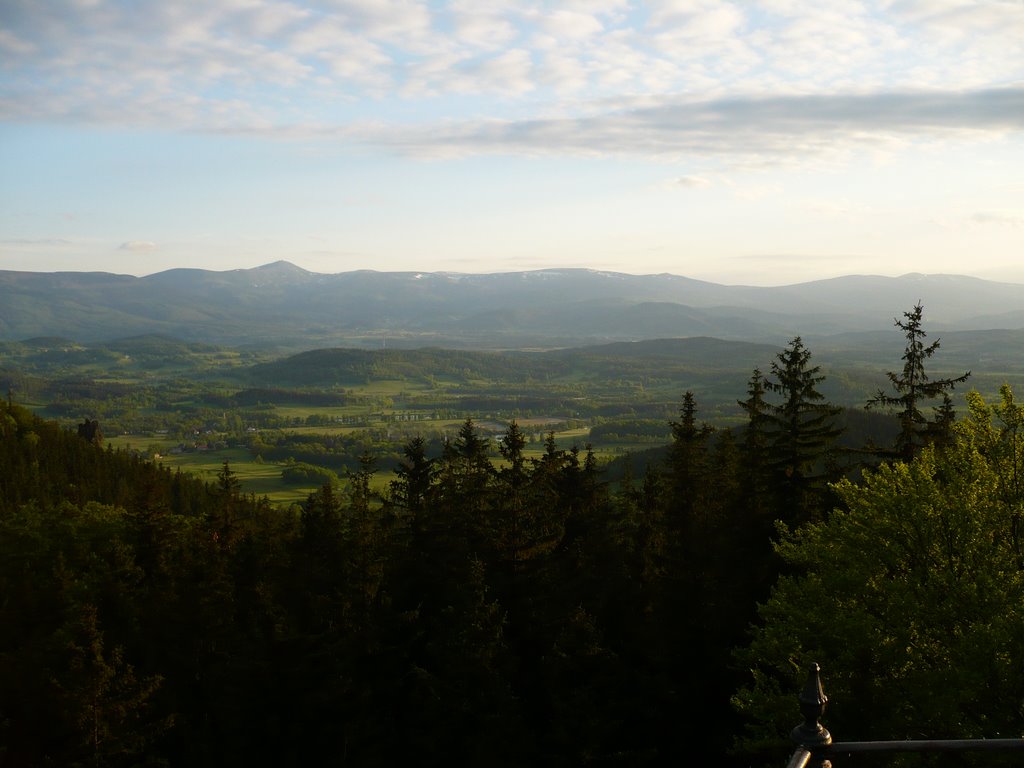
x,y
761,142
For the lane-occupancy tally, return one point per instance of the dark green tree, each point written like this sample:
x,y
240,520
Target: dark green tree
x,y
89,430
755,449
365,543
465,469
513,519
223,515
414,476
101,696
687,466
801,431
912,387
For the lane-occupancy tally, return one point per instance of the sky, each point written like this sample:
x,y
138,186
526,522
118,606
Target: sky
x,y
763,142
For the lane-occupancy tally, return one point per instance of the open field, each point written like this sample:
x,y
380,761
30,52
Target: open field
x,y
263,478
259,478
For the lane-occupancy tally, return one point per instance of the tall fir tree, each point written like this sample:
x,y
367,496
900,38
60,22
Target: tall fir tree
x,y
687,466
414,476
755,449
912,387
801,431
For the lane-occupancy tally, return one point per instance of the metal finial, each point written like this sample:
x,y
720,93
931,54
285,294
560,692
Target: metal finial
x,y
811,733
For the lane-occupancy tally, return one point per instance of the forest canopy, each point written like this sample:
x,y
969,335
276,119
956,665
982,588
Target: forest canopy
x,y
494,607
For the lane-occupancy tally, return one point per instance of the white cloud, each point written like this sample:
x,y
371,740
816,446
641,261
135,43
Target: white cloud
x,y
961,20
569,25
357,61
393,20
254,65
998,218
691,182
12,45
696,19
483,25
138,246
270,20
562,72
42,241
508,73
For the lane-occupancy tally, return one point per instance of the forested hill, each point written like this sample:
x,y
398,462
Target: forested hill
x,y
281,303
661,357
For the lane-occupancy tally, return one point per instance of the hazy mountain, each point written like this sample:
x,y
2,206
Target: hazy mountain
x,y
281,303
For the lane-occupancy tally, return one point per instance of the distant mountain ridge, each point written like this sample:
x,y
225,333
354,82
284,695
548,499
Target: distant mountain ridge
x,y
284,304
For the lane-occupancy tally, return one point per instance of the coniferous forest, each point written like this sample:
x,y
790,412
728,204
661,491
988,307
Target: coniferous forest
x,y
494,609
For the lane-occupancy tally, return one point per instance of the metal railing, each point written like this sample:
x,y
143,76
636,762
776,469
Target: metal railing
x,y
815,748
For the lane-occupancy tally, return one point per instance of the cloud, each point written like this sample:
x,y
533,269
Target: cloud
x,y
831,208
311,66
13,45
691,181
47,241
696,19
782,256
783,126
140,246
961,19
483,25
1001,219
570,25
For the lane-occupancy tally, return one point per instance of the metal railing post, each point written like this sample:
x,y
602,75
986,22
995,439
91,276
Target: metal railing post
x,y
815,745
811,736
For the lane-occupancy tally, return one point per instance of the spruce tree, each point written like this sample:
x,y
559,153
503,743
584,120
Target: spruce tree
x,y
513,522
414,476
755,451
688,465
801,431
913,387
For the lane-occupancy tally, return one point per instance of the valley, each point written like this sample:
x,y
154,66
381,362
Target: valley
x,y
194,405
572,520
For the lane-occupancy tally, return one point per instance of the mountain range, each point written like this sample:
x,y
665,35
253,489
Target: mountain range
x,y
284,305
